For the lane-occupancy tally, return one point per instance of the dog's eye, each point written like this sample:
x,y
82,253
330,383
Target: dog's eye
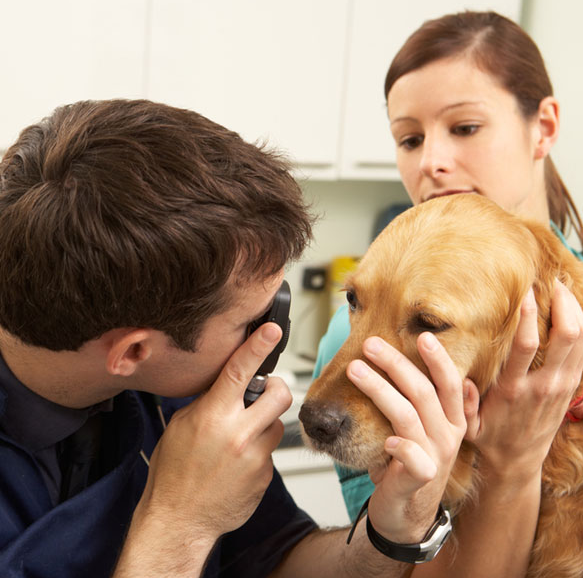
x,y
427,322
352,301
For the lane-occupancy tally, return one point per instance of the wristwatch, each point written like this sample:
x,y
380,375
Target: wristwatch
x,y
423,551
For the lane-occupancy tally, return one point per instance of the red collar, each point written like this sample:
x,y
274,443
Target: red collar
x,y
569,416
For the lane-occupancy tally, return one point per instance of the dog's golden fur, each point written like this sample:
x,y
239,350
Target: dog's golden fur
x,y
462,266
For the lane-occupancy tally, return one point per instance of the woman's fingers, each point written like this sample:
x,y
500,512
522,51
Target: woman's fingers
x,y
392,404
414,468
525,342
408,379
429,415
445,377
432,398
407,492
471,409
429,424
420,468
565,346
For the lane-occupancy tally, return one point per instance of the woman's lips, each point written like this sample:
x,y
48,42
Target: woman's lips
x,y
448,192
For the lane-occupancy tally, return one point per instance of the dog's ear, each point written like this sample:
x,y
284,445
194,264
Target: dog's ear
x,y
540,258
490,360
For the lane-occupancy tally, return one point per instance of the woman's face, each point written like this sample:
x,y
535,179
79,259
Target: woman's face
x,y
457,131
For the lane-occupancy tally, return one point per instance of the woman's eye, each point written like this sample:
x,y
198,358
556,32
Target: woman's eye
x,y
352,302
411,142
466,129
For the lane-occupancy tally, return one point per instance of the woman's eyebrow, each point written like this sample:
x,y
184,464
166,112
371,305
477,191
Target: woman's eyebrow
x,y
441,111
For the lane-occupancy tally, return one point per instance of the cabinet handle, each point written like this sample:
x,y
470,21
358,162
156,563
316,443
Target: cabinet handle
x,y
309,165
375,165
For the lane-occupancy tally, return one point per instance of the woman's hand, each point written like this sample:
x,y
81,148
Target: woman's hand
x,y
429,424
519,417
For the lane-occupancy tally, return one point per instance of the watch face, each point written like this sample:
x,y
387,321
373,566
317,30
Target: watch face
x,y
436,537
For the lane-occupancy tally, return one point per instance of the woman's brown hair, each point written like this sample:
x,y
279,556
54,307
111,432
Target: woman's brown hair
x,y
136,214
504,50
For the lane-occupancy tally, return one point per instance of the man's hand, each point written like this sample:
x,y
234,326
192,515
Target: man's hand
x,y
211,467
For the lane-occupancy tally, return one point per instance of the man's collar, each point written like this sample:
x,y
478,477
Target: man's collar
x,y
34,421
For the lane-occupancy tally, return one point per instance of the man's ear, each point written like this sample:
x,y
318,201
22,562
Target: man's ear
x,y
127,350
547,126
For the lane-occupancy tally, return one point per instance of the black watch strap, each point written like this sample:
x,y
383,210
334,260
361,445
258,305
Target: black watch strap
x,y
423,551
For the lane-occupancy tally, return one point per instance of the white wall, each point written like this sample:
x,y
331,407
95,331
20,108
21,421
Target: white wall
x,y
556,27
347,214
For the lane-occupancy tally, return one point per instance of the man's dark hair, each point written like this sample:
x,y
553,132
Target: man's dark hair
x,y
136,214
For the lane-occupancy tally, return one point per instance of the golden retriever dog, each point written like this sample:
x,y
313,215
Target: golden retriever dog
x,y
457,266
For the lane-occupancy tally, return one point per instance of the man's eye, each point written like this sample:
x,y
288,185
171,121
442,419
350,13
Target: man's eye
x,y
352,301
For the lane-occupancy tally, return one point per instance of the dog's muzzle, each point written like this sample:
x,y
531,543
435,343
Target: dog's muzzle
x,y
324,423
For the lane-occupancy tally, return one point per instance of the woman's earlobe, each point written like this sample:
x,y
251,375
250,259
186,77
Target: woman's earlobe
x,y
547,126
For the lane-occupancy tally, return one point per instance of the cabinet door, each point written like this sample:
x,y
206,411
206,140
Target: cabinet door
x,y
268,69
60,51
379,28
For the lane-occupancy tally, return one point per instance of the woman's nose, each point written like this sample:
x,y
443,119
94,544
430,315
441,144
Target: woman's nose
x,y
437,157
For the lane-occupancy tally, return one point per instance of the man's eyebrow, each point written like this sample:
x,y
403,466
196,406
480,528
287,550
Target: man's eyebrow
x,y
264,311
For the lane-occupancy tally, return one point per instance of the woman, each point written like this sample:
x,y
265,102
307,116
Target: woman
x,y
471,110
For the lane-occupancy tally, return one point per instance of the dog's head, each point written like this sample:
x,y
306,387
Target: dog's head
x,y
458,267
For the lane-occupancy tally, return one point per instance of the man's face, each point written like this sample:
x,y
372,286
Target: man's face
x,y
173,372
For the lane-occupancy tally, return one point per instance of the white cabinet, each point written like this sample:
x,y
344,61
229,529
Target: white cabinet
x,y
59,51
306,75
267,69
378,29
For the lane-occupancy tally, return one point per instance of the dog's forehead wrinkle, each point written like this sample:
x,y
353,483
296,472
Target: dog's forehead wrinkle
x,y
426,231
431,304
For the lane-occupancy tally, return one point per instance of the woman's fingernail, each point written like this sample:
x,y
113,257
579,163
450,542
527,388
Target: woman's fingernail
x,y
392,443
374,345
359,368
429,341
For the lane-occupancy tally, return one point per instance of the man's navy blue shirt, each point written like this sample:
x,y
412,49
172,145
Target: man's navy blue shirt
x,y
83,536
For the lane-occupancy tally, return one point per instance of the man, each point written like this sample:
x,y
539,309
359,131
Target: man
x,y
137,242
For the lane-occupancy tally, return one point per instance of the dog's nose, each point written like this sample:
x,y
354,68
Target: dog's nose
x,y
323,422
